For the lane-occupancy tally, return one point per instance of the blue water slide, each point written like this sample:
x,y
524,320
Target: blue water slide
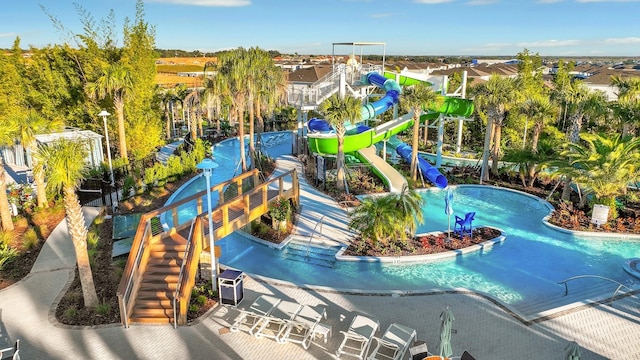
x,y
390,98
428,171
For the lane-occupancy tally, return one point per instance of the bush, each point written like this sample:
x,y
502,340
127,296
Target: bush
x,y
30,239
7,255
103,308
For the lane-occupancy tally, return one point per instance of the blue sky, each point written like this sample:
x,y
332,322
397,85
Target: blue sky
x,y
408,27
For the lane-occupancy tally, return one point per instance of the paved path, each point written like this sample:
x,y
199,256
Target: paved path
x,y
486,330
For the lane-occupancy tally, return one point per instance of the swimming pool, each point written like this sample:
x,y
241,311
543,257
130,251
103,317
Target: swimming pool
x,y
523,272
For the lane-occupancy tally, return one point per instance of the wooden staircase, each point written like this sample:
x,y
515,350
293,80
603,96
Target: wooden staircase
x,y
161,269
154,303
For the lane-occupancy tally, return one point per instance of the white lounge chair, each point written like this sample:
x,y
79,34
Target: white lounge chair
x,y
274,324
358,337
302,328
394,343
250,318
6,352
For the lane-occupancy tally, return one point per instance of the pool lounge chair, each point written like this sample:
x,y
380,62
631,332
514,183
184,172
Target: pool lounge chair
x,y
357,338
250,318
302,328
464,226
394,343
275,322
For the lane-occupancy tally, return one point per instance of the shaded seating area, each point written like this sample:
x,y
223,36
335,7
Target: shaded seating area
x,y
250,319
275,323
394,343
357,338
464,226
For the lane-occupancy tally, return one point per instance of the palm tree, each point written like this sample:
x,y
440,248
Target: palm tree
x,y
28,126
374,218
337,112
604,165
65,171
413,100
7,138
495,98
541,110
582,102
627,108
409,207
115,81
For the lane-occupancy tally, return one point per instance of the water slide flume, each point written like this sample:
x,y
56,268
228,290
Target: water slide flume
x,y
323,140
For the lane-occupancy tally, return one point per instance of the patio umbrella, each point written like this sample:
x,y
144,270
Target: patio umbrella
x,y
448,209
445,333
572,351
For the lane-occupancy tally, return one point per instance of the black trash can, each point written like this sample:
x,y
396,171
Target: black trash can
x,y
230,287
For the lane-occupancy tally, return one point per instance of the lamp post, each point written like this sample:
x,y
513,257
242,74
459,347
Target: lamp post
x,y
207,165
104,115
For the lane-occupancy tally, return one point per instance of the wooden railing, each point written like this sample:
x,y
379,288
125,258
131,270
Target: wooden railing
x,y
226,219
188,271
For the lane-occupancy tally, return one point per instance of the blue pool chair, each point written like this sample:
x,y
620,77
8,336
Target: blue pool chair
x,y
464,226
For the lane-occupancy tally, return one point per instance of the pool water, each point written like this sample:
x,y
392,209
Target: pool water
x,y
525,269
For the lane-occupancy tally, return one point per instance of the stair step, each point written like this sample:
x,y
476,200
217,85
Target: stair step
x,y
149,294
156,277
153,304
171,248
153,313
151,320
166,262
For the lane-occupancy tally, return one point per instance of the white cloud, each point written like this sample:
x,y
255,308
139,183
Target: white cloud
x,y
622,41
8,35
595,1
432,1
480,2
212,3
549,43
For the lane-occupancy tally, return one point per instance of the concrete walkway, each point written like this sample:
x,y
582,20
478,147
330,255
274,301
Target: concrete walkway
x,y
486,330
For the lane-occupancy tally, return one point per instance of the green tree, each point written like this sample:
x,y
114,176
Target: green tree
x,y
494,98
413,100
561,88
627,107
115,81
541,111
28,126
603,165
337,112
65,171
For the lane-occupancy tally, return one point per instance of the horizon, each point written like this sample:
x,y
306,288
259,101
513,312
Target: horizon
x,y
470,28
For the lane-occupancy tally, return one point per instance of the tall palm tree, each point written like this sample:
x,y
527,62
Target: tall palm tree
x,y
541,110
604,165
413,100
65,171
115,81
582,102
495,98
337,111
374,218
627,107
7,138
28,126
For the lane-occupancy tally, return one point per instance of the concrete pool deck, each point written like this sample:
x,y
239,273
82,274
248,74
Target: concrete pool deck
x,y
486,330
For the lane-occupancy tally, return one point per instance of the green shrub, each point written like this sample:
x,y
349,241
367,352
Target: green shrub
x,y
103,308
201,299
7,255
174,166
5,237
194,308
30,239
70,313
93,238
128,184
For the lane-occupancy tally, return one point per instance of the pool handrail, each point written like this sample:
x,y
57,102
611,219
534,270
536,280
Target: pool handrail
x,y
620,285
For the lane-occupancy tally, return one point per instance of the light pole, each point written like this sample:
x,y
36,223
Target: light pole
x,y
207,165
104,115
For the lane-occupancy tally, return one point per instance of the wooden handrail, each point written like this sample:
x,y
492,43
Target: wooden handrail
x,y
136,265
188,275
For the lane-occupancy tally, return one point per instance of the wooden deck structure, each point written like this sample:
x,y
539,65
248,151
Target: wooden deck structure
x,y
160,272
